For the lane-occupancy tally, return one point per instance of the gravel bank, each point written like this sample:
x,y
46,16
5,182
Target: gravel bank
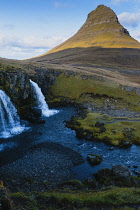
x,y
43,167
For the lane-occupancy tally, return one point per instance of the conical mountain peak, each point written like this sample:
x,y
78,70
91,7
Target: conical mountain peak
x,y
101,29
102,14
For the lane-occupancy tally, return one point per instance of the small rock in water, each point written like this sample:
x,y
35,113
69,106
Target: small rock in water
x,y
94,159
136,172
111,148
135,166
126,144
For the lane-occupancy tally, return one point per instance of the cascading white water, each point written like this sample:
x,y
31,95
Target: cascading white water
x,y
9,119
40,99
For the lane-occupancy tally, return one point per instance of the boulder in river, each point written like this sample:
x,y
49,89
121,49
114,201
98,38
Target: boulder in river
x,y
94,159
136,172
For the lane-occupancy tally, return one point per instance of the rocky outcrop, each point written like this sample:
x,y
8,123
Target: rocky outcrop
x,y
45,78
119,175
121,172
16,84
130,89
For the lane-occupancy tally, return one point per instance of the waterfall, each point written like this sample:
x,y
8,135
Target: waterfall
x,y
40,100
9,119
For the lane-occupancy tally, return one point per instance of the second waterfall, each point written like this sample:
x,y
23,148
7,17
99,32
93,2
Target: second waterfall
x,y
40,100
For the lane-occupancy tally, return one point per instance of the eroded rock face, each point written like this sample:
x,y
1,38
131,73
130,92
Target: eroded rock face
x,y
16,84
101,15
45,78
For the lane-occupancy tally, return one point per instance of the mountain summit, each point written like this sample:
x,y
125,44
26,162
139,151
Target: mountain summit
x,y
101,29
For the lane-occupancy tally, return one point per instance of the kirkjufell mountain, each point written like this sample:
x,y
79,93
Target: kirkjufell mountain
x,y
101,29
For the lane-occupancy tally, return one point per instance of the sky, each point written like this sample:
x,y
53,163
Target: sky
x,y
29,28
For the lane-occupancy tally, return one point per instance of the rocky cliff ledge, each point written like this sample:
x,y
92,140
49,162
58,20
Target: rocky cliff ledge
x,y
16,83
17,86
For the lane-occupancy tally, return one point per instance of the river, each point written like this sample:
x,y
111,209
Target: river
x,y
54,130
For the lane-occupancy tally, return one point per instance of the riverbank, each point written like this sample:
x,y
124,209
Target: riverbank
x,y
42,168
117,127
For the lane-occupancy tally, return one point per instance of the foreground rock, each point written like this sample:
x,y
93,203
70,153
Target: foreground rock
x,y
121,172
119,175
42,168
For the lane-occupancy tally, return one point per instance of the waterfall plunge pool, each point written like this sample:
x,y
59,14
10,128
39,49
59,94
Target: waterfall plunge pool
x,y
54,130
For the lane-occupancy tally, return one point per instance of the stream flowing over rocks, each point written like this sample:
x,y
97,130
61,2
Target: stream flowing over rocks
x,y
48,154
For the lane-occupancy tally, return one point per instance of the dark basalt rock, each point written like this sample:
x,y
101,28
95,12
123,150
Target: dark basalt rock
x,y
125,144
84,134
36,112
94,159
16,84
104,177
119,175
136,172
121,172
100,125
90,182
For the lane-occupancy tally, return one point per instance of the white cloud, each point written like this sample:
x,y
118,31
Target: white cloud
x,y
129,19
26,47
117,1
47,42
20,53
58,4
136,35
31,41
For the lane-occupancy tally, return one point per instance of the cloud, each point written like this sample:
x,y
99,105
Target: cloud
x,y
137,35
20,53
26,47
58,4
31,41
47,42
129,19
117,1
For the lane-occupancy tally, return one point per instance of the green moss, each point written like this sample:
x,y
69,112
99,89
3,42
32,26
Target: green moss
x,y
22,200
112,197
112,130
72,184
